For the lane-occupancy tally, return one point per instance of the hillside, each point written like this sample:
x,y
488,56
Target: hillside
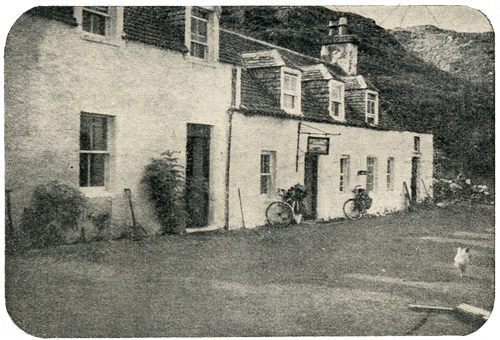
x,y
470,56
418,95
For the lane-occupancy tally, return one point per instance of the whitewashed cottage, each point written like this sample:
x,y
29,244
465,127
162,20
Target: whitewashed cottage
x,y
93,93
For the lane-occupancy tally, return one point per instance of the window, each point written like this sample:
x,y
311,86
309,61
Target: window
x,y
390,174
95,19
199,33
344,174
234,78
336,102
416,144
94,154
291,92
371,176
267,166
371,108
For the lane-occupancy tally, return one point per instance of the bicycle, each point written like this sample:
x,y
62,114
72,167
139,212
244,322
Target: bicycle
x,y
355,208
282,213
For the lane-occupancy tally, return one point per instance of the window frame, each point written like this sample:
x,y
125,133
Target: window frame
x,y
113,25
93,12
194,41
390,174
372,174
271,174
107,152
235,87
368,104
297,93
416,144
333,85
344,174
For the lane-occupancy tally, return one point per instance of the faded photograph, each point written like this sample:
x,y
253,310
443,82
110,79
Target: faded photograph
x,y
249,171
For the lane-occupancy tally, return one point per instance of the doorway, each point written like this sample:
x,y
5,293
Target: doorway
x,y
311,184
415,170
197,174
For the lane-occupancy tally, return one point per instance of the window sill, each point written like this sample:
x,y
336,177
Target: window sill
x,y
201,62
92,192
292,112
102,39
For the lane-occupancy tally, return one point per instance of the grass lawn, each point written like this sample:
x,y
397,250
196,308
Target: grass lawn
x,y
343,278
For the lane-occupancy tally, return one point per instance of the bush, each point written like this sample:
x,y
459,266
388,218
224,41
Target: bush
x,y
55,210
164,184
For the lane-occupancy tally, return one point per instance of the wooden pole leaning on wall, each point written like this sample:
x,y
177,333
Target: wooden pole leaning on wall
x,y
425,188
228,168
241,209
298,148
407,195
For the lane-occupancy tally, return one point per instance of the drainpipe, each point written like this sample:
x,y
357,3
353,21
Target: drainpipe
x,y
228,167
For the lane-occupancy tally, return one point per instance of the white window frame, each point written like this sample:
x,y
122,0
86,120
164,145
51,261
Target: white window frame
x,y
106,16
235,87
271,188
416,144
368,101
344,174
205,44
372,173
212,44
333,87
113,27
108,156
297,94
390,173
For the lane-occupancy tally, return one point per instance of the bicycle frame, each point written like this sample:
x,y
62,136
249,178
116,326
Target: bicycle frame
x,y
359,198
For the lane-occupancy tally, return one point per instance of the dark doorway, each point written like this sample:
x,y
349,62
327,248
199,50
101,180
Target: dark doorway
x,y
415,164
197,174
311,184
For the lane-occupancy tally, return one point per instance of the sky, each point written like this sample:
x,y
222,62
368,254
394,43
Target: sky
x,y
456,18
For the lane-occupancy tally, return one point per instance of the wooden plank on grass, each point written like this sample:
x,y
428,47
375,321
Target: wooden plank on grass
x,y
430,309
473,313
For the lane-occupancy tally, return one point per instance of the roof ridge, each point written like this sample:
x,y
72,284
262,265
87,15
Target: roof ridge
x,y
276,46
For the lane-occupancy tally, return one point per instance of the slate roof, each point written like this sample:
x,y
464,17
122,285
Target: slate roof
x,y
151,25
358,83
316,72
233,44
59,13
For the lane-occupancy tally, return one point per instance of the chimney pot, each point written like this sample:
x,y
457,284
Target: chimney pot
x,y
331,27
343,26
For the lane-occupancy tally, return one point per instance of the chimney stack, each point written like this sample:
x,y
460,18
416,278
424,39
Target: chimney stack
x,y
340,47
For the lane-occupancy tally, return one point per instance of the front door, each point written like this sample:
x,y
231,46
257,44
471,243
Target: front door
x,y
311,184
415,162
197,174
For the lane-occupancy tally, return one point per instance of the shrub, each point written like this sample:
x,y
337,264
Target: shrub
x,y
164,184
54,211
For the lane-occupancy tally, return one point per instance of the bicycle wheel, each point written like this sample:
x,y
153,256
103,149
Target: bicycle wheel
x,y
279,214
351,210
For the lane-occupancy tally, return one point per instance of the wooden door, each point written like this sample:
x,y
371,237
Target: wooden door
x,y
311,184
415,163
198,174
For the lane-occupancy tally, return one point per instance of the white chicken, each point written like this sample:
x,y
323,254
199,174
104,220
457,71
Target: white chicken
x,y
462,260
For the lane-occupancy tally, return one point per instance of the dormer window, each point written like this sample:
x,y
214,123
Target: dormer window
x,y
202,33
199,32
290,94
95,19
372,108
337,100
